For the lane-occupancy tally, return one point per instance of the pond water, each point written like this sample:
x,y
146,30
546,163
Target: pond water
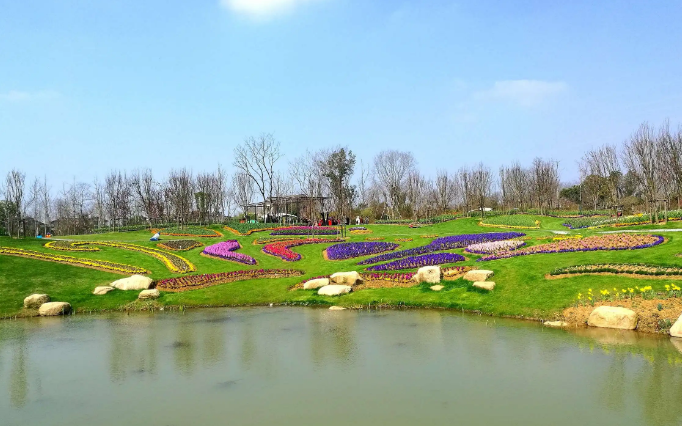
x,y
304,366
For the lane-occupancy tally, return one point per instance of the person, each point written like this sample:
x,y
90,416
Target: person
x,y
357,220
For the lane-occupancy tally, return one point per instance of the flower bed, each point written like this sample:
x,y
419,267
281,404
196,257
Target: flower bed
x,y
248,228
403,240
102,265
599,222
430,236
419,261
350,250
394,222
366,231
179,245
193,282
357,228
172,261
226,250
67,245
438,219
511,221
268,240
444,243
620,268
454,272
594,243
283,249
495,246
306,230
375,238
188,231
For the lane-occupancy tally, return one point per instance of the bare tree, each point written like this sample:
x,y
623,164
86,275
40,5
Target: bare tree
x,y
445,190
640,155
180,194
391,169
243,190
482,181
256,157
14,196
603,162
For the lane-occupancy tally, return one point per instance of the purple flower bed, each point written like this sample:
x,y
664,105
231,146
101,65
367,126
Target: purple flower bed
x,y
444,243
350,250
305,230
226,250
418,261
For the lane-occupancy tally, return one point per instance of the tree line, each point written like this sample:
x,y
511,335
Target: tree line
x,y
644,173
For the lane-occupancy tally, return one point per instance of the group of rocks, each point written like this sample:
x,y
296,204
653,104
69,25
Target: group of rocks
x,y
48,308
134,282
343,282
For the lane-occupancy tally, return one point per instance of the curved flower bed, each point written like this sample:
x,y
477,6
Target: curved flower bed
x,y
249,228
620,268
268,240
226,250
283,249
350,250
357,228
494,246
444,243
188,231
67,245
193,282
375,238
118,268
403,240
179,245
419,261
305,230
172,261
594,243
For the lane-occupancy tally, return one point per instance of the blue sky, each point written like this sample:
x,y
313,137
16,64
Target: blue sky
x,y
90,86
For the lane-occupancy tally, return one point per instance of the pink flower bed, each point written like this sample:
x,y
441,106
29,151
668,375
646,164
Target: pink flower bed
x,y
226,250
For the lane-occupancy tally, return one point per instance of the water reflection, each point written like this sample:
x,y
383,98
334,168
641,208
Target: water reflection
x,y
401,367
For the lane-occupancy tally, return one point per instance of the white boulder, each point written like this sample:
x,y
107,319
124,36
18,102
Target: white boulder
x,y
428,274
135,282
35,300
316,283
613,317
478,275
676,329
334,290
485,285
149,294
98,291
54,308
337,308
437,287
345,278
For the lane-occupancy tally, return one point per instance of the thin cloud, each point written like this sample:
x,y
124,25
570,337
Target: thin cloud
x,y
526,93
260,9
21,96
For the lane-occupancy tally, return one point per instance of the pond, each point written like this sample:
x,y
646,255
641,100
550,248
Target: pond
x,y
302,366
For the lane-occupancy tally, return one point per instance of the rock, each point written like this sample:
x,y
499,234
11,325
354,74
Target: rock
x,y
337,308
436,287
428,274
149,294
478,275
613,317
334,290
35,300
102,290
135,282
316,283
345,278
675,330
54,308
485,285
555,324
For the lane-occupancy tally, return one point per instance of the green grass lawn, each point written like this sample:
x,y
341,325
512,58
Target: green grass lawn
x,y
522,289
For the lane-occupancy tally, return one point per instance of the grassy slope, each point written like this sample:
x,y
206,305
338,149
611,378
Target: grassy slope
x,y
521,286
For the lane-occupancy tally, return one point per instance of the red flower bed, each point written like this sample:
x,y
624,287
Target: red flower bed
x,y
193,282
282,250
